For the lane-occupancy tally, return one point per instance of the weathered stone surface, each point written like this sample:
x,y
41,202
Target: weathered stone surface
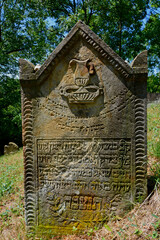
x,y
10,148
153,97
84,134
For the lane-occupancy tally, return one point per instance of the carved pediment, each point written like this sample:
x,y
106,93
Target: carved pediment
x,y
80,30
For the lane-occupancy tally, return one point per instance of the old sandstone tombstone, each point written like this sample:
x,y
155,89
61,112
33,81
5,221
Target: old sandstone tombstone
x,y
84,134
10,148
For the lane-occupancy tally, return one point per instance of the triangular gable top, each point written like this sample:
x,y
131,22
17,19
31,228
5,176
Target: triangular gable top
x,y
98,44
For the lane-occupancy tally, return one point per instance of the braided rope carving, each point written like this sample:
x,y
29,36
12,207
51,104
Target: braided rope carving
x,y
140,148
28,162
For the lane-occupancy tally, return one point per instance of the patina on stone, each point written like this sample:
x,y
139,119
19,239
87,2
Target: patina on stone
x,y
84,134
10,148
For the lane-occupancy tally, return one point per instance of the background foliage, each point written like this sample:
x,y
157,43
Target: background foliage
x,y
31,29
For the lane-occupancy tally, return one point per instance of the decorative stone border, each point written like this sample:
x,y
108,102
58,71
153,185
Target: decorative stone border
x,y
29,183
140,149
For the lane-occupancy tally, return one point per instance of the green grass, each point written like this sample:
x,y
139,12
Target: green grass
x,y
11,174
153,142
12,223
153,137
11,166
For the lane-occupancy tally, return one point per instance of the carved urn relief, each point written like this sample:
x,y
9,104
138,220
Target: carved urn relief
x,y
84,135
82,91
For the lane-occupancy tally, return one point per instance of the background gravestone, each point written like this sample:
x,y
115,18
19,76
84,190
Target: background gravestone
x,y
10,148
84,134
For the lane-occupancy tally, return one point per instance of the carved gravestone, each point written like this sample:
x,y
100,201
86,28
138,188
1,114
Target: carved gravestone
x,y
84,134
10,148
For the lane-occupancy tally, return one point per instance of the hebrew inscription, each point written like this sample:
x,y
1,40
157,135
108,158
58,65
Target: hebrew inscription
x,y
80,172
84,135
